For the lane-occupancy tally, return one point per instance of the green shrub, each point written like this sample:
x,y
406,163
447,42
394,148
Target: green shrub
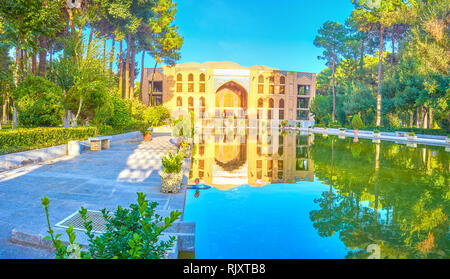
x,y
130,234
143,128
121,116
445,124
39,103
434,132
283,123
376,131
172,163
25,139
357,122
106,130
156,116
334,124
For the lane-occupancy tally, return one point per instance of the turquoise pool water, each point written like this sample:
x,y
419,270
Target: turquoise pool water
x,y
299,196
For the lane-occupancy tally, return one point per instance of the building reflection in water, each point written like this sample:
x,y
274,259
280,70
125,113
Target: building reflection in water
x,y
227,157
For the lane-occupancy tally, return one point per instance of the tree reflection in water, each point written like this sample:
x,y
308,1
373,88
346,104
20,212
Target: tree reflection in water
x,y
386,194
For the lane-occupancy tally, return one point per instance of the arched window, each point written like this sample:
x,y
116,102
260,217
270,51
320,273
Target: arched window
x,y
202,107
282,84
191,102
179,83
271,85
202,83
260,84
260,103
260,106
260,79
269,112
190,83
179,102
281,110
202,102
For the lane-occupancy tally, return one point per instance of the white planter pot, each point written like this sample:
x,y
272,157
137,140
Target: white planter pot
x,y
171,182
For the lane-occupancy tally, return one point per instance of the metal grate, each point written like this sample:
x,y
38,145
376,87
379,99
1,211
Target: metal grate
x,y
98,222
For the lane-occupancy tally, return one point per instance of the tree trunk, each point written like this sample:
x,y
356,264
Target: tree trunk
x,y
380,75
113,49
151,89
91,35
121,70
132,70
142,76
16,82
75,119
5,107
33,64
42,56
423,122
393,48
104,54
127,68
25,63
51,57
417,117
411,119
21,72
361,62
430,118
334,85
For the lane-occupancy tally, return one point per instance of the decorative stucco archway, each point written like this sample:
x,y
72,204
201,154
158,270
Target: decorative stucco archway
x,y
231,95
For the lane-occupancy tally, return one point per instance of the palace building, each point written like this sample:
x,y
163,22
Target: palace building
x,y
220,89
226,160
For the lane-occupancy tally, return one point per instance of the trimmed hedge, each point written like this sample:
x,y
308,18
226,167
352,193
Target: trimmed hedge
x,y
26,139
417,131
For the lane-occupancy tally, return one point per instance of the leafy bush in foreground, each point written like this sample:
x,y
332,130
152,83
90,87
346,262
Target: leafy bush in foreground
x,y
130,234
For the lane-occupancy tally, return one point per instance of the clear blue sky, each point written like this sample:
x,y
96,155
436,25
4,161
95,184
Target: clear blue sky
x,y
275,33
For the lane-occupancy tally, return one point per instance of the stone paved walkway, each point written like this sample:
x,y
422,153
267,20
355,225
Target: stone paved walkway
x,y
94,180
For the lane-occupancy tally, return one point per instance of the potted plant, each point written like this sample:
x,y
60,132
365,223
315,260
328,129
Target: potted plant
x,y
283,124
376,133
298,125
309,129
356,124
146,132
412,136
172,173
185,150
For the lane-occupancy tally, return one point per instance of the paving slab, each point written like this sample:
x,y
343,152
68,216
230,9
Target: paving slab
x,y
94,180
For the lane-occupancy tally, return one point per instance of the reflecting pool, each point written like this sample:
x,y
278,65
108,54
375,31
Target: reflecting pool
x,y
281,194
